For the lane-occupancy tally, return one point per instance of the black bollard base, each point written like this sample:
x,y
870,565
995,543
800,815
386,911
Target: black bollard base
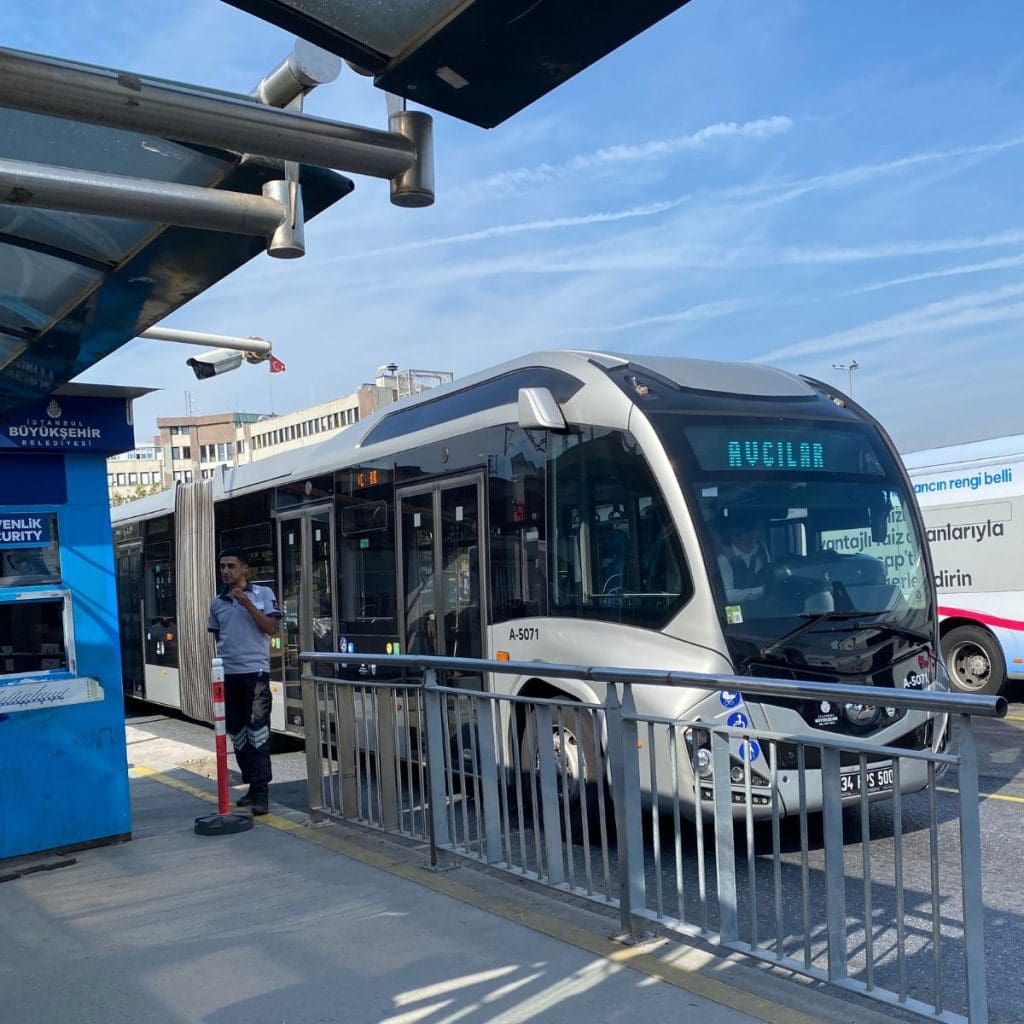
x,y
222,824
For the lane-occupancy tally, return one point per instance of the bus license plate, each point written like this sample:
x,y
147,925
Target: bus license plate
x,y
879,779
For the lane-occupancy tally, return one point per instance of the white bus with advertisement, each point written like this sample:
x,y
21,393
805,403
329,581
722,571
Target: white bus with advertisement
x,y
972,499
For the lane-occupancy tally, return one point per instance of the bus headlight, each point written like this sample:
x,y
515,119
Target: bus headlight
x,y
704,763
738,775
861,715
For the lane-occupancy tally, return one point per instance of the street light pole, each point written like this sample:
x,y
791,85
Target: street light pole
x,y
849,368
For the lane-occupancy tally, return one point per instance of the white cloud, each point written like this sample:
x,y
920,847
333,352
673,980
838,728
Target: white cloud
x,y
1005,263
730,255
890,250
695,314
654,149
969,310
522,227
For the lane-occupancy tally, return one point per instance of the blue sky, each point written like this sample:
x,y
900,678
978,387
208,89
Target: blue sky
x,y
799,182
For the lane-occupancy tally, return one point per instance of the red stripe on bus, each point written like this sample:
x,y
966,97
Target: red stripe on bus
x,y
989,620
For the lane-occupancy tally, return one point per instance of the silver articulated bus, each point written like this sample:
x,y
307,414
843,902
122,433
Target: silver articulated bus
x,y
573,507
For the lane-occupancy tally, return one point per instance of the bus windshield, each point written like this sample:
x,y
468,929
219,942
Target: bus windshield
x,y
802,520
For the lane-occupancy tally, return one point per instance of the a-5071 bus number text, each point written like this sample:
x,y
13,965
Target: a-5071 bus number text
x,y
524,633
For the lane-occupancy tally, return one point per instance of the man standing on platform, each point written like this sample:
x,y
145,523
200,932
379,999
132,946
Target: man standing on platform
x,y
243,617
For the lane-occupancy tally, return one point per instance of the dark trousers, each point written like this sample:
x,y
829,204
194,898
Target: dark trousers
x,y
247,720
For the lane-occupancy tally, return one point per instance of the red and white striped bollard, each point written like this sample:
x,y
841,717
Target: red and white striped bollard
x,y
220,734
224,822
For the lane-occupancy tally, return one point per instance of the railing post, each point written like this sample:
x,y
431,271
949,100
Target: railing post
x,y
348,751
613,714
387,761
631,808
437,796
725,839
314,740
835,867
489,769
549,795
622,761
970,866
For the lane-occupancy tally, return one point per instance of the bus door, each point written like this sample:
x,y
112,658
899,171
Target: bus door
x,y
130,612
307,599
442,562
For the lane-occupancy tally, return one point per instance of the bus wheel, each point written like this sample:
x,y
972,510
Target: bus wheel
x,y
974,661
576,768
463,749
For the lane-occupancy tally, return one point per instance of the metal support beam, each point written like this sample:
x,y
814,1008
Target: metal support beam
x,y
114,195
306,67
415,187
124,100
257,347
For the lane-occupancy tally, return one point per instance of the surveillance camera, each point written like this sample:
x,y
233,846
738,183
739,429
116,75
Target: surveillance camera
x,y
214,362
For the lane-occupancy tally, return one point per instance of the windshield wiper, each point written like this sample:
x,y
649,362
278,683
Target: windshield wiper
x,y
890,627
813,619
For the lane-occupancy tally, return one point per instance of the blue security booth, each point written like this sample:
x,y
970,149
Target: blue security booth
x,y
63,770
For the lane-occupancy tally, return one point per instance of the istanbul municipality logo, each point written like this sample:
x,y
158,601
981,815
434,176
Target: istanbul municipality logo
x,y
56,431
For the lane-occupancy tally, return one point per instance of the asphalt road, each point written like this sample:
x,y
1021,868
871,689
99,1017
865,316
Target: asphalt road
x,y
1001,761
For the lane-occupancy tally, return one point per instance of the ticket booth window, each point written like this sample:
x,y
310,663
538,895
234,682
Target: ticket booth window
x,y
25,563
35,610
34,634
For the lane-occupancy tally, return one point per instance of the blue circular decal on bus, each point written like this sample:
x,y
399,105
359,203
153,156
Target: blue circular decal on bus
x,y
730,698
737,720
750,750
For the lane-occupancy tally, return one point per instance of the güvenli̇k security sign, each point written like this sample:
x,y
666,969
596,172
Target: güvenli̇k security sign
x,y
24,530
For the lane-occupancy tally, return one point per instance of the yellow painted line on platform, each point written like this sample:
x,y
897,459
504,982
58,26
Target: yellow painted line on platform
x,y
1015,718
985,796
635,958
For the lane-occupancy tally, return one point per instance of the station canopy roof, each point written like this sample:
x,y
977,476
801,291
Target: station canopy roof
x,y
76,287
478,60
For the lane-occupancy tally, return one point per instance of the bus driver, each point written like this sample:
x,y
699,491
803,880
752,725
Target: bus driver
x,y
744,562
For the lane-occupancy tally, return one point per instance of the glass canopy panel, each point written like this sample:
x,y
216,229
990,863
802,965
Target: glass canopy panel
x,y
477,60
20,318
388,26
10,348
75,287
36,138
36,287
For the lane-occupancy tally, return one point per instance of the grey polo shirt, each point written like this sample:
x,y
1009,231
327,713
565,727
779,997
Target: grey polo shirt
x,y
240,642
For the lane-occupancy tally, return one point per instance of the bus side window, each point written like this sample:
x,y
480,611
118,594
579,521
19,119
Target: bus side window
x,y
518,530
616,554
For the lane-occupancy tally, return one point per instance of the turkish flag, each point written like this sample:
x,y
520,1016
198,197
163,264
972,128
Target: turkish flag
x,y
276,366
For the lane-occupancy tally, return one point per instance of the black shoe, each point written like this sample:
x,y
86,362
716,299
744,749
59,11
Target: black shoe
x,y
245,801
260,803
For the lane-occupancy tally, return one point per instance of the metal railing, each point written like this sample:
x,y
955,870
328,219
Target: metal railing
x,y
685,825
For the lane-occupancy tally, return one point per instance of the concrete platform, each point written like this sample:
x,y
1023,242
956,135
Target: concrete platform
x,y
299,923
262,927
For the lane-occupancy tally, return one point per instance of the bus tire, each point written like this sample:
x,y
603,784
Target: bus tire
x,y
974,660
581,770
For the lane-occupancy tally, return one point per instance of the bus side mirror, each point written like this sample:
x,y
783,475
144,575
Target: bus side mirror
x,y
539,410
